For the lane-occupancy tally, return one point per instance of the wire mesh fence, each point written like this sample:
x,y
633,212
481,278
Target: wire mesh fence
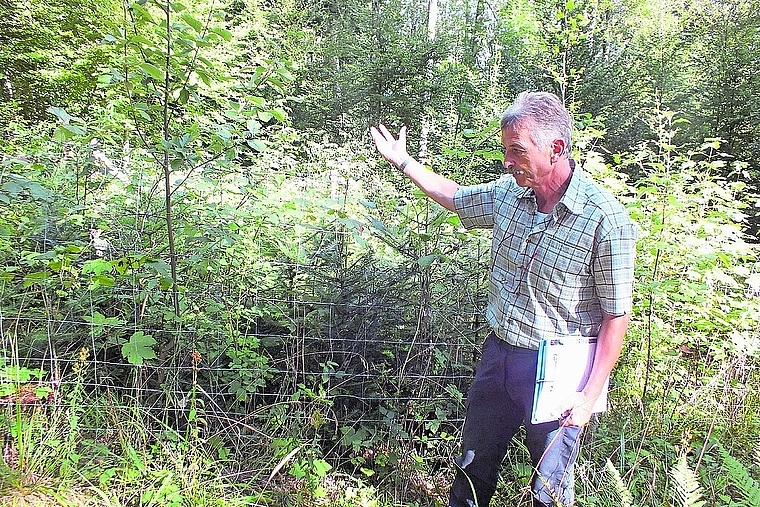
x,y
303,313
367,356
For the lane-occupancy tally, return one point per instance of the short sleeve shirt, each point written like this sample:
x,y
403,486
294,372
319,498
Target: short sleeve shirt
x,y
552,275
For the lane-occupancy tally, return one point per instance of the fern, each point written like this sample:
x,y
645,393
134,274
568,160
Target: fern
x,y
739,477
686,485
624,495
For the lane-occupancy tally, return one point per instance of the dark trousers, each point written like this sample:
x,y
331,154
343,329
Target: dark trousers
x,y
500,400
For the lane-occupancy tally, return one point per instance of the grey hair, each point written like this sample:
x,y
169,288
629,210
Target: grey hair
x,y
545,117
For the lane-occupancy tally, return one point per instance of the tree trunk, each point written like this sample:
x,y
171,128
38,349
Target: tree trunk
x,y
425,119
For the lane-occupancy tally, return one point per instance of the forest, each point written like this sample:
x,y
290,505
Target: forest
x,y
215,292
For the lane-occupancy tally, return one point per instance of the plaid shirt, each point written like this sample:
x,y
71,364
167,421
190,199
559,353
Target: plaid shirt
x,y
552,275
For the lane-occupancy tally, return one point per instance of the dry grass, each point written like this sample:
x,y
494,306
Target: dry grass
x,y
25,498
21,491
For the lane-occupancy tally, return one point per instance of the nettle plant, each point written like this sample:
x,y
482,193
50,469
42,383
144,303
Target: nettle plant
x,y
694,343
696,268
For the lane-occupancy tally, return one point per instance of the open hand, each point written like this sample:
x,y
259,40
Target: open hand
x,y
393,150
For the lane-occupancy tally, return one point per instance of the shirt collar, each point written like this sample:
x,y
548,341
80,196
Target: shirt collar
x,y
573,199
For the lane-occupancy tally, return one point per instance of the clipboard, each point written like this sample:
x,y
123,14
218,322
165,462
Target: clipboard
x,y
564,367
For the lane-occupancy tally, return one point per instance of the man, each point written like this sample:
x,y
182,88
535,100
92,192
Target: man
x,y
561,266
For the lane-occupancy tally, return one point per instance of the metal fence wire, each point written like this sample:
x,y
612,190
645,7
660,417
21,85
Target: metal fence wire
x,y
312,329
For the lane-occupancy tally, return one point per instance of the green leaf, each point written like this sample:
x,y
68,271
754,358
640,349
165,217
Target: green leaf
x,y
139,348
197,25
427,260
33,278
224,34
12,188
101,320
454,220
141,41
253,126
377,224
256,144
321,467
141,11
60,113
152,71
279,113
20,374
97,266
37,191
65,132
8,273
103,281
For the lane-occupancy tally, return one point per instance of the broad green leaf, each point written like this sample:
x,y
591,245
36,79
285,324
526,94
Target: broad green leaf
x,y
454,220
224,34
152,71
253,125
34,278
256,144
285,74
141,41
160,267
194,23
139,348
377,224
103,281
96,266
427,260
12,188
204,76
321,467
358,238
63,133
8,273
19,374
60,113
279,113
141,12
37,191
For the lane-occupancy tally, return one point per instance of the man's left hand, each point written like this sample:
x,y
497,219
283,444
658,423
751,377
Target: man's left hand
x,y
576,410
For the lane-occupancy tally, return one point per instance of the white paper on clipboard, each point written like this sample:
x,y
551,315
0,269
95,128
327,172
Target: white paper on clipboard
x,y
564,366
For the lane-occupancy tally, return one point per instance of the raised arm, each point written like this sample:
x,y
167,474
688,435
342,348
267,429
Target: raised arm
x,y
435,186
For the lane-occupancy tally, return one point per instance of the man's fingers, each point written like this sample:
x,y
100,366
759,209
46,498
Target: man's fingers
x,y
377,136
387,136
382,133
392,149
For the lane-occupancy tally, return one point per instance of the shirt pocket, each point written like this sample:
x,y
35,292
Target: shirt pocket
x,y
508,254
566,260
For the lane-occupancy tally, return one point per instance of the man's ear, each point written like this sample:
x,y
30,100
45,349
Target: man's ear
x,y
558,148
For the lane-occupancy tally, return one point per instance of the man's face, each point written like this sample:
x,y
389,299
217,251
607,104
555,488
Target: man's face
x,y
528,164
